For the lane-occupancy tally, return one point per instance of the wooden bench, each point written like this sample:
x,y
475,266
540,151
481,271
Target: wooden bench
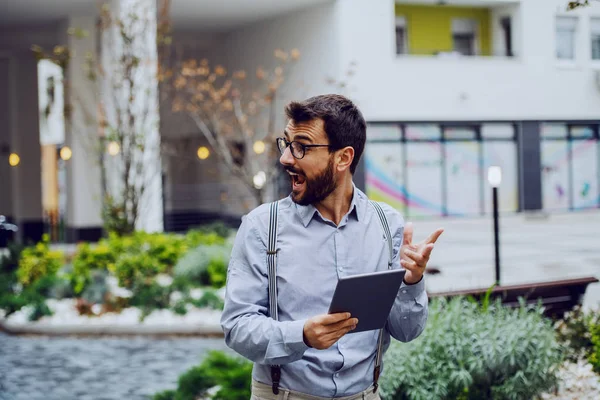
x,y
557,297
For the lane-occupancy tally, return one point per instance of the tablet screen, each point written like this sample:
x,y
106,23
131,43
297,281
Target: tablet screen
x,y
368,297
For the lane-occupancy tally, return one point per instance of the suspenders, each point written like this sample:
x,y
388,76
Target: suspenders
x,y
272,272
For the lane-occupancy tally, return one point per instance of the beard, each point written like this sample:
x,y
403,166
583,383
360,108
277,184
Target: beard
x,y
315,189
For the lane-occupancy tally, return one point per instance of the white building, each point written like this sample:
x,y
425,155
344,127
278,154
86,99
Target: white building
x,y
447,87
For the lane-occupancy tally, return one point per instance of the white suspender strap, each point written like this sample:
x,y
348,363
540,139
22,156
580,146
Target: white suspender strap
x,y
272,260
272,272
388,236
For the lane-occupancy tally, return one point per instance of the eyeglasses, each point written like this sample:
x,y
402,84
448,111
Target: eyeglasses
x,y
298,149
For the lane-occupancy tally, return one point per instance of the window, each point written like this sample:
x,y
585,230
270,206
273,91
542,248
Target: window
x,y
460,133
464,36
566,28
595,24
401,36
506,25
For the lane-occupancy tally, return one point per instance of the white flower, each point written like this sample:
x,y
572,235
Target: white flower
x,y
175,297
196,294
96,309
164,280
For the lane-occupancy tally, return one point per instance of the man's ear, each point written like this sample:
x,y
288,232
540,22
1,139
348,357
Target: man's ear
x,y
345,157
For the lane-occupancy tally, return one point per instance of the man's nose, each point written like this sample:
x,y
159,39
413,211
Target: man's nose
x,y
287,158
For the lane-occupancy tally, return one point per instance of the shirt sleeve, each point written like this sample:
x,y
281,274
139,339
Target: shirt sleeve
x,y
410,310
247,327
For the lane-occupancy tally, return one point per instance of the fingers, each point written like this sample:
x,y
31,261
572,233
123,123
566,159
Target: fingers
x,y
414,259
328,319
408,233
427,251
434,236
349,323
321,336
332,337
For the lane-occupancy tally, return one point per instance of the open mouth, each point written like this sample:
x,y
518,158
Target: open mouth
x,y
298,180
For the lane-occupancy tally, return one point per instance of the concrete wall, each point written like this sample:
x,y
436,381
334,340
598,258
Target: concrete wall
x,y
83,169
532,85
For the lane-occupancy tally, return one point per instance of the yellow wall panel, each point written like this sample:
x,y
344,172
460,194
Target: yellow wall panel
x,y
430,27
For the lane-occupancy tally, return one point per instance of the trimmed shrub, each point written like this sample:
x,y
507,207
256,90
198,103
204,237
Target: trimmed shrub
x,y
38,261
87,259
232,376
134,268
204,266
472,352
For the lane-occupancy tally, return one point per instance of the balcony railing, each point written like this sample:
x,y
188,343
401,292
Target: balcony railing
x,y
455,53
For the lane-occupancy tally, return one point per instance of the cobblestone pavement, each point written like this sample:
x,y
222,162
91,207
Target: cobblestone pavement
x,y
107,368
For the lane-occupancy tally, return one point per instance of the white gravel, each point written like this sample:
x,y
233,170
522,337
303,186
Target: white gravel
x,y
577,382
66,317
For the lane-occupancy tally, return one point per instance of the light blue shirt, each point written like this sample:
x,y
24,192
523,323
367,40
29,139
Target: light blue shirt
x,y
312,254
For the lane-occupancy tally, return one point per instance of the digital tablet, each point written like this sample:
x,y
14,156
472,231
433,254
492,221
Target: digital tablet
x,y
368,297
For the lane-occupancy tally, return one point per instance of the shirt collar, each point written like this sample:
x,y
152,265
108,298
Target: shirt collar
x,y
357,207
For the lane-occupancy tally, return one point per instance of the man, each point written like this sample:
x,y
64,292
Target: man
x,y
326,229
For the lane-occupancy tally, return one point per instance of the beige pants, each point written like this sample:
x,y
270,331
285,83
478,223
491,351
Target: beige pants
x,y
260,391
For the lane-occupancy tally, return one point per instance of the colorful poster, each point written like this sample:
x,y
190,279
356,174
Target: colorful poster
x,y
463,178
555,175
385,174
585,174
384,132
424,179
423,132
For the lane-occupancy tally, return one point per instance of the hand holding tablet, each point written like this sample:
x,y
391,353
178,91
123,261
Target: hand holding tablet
x,y
367,297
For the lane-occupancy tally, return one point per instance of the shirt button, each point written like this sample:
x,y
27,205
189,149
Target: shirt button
x,y
404,317
403,291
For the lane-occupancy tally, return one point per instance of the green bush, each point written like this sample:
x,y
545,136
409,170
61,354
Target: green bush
x,y
166,395
34,295
217,272
195,238
28,276
166,248
8,279
473,352
594,357
134,268
87,259
232,375
204,265
209,300
149,297
38,261
574,331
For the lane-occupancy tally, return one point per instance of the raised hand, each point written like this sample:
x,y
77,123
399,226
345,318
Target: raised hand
x,y
414,257
322,331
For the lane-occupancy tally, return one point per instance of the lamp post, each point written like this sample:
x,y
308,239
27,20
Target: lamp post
x,y
495,179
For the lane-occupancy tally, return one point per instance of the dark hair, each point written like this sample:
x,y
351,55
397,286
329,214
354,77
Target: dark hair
x,y
343,121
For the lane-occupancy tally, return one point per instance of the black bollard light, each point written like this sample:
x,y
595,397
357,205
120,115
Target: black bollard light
x,y
495,179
